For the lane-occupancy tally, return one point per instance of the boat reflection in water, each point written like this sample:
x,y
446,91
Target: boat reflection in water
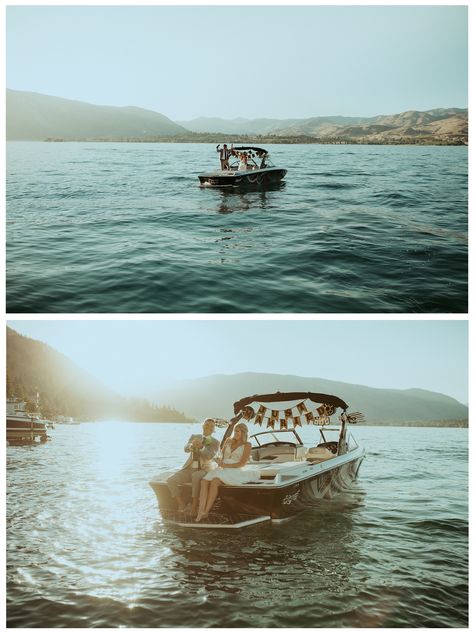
x,y
232,200
287,477
262,563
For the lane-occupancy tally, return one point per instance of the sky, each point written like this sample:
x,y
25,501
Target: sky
x,y
134,356
271,61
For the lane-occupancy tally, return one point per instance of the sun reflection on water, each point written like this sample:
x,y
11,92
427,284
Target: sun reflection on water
x,y
105,514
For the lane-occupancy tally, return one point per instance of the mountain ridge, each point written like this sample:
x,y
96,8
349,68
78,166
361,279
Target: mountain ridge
x,y
442,123
64,388
32,116
37,369
214,396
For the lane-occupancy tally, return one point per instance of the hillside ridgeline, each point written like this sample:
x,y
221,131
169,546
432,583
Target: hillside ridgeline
x,y
215,395
65,389
37,117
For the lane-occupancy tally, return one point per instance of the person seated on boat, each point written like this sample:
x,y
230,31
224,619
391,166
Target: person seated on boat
x,y
262,155
251,164
231,469
243,165
201,449
224,155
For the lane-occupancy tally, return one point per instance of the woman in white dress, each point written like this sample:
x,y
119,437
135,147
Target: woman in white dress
x,y
231,470
243,164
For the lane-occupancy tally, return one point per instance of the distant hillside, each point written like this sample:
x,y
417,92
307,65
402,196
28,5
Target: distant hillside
x,y
282,127
36,117
215,395
444,125
65,389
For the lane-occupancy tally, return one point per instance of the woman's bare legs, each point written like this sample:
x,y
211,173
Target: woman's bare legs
x,y
202,498
212,494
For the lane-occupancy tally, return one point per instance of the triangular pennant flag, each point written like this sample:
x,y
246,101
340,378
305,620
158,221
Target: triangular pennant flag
x,y
271,423
302,407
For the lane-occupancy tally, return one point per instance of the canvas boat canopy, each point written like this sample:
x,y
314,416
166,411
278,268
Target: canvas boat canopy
x,y
244,148
319,398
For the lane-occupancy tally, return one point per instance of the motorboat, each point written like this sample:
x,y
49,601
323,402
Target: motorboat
x,y
259,170
24,427
61,419
288,476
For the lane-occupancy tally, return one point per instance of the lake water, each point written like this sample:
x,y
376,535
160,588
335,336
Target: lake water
x,y
103,227
86,545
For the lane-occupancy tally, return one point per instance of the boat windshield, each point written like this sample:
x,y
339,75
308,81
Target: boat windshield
x,y
266,437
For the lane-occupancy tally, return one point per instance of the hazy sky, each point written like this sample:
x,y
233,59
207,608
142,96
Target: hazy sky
x,y
249,61
135,355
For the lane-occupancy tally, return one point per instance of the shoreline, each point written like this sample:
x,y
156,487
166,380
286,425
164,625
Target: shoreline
x,y
255,141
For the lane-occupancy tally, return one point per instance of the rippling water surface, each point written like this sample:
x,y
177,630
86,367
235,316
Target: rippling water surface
x,y
87,546
125,228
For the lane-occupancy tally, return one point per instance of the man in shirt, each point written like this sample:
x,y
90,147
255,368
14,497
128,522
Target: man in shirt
x,y
201,448
224,155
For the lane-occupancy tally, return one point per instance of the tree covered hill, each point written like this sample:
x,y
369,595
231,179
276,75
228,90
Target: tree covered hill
x,y
214,396
35,369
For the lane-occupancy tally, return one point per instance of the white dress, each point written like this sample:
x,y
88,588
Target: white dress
x,y
230,476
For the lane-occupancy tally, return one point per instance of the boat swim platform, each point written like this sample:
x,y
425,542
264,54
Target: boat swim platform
x,y
214,520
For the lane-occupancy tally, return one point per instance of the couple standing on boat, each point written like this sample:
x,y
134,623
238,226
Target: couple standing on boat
x,y
206,473
225,153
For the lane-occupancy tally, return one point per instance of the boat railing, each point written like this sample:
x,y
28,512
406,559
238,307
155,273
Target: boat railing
x,y
351,442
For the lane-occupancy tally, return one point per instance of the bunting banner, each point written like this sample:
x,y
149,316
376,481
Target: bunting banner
x,y
283,425
288,415
261,410
248,413
258,419
275,416
309,417
323,420
270,423
326,409
302,408
297,421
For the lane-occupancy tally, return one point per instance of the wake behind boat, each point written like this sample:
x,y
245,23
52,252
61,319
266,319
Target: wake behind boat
x,y
244,166
288,476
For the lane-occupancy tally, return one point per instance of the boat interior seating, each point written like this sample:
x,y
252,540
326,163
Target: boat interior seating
x,y
319,454
331,446
269,453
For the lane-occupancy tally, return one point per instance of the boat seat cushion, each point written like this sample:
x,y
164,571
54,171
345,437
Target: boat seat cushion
x,y
318,454
269,452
